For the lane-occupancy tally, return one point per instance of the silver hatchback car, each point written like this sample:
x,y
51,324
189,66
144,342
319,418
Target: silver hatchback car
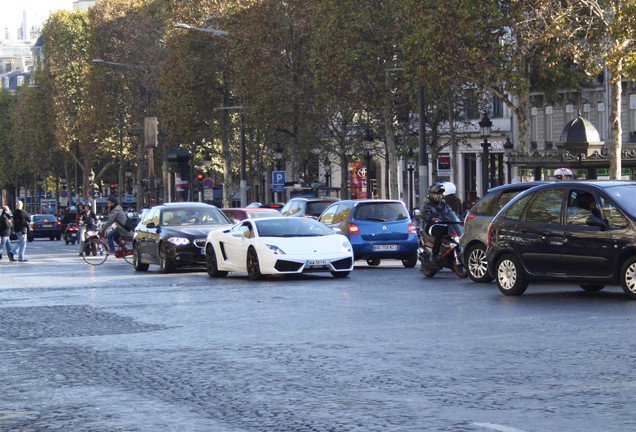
x,y
474,241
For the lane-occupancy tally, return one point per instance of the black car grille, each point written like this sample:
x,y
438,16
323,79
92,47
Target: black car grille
x,y
200,242
342,264
287,266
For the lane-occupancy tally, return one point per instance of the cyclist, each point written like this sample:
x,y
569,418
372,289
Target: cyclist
x,y
435,210
117,216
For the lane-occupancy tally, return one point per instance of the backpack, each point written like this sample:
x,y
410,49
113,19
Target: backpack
x,y
131,223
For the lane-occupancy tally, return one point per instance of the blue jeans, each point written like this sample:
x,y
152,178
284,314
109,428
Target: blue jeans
x,y
113,237
6,242
22,241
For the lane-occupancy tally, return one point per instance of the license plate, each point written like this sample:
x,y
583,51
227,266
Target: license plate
x,y
379,248
317,263
47,225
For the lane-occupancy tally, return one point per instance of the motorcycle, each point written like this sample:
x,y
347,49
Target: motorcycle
x,y
449,251
70,234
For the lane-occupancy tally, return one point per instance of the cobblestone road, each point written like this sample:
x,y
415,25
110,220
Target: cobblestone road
x,y
108,349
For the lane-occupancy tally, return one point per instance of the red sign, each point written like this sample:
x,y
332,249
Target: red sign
x,y
208,183
63,194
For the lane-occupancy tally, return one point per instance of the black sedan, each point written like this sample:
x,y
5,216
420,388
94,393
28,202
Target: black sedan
x,y
173,235
582,232
45,226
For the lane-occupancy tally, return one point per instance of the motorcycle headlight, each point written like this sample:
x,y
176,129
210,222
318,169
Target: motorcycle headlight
x,y
456,239
179,241
346,246
276,249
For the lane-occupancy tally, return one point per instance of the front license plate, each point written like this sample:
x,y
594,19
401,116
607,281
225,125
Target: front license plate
x,y
379,248
317,263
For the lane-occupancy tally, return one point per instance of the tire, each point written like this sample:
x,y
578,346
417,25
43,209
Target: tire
x,y
340,274
460,269
165,264
628,277
410,261
477,265
428,268
137,264
511,280
253,266
94,253
373,262
211,264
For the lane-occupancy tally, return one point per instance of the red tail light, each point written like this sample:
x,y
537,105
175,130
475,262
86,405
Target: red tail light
x,y
59,223
353,229
470,216
412,229
489,233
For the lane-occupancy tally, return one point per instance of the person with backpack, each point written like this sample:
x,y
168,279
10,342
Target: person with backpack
x,y
5,233
116,215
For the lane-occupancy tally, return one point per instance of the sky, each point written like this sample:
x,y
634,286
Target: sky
x,y
37,13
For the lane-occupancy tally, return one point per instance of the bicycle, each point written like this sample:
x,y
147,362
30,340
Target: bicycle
x,y
95,249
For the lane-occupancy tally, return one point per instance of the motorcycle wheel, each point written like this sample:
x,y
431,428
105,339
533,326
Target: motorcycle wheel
x,y
428,268
460,269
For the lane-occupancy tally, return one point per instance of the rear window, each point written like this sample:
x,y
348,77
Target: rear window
x,y
483,207
315,208
384,212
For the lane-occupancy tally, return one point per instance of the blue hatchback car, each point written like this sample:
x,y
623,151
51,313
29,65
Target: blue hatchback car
x,y
377,229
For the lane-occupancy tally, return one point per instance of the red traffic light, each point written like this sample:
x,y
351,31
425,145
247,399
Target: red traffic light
x,y
112,185
200,176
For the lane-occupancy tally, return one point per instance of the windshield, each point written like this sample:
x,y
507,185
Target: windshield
x,y
624,196
291,227
193,216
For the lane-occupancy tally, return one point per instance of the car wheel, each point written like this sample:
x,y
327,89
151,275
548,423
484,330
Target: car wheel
x,y
211,264
477,264
137,264
340,274
253,267
510,277
592,287
165,264
628,277
373,262
410,261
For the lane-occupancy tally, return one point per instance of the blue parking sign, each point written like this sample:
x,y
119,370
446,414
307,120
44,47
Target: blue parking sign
x,y
278,177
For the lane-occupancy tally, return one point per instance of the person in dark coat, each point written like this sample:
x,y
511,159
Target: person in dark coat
x,y
5,232
22,226
434,211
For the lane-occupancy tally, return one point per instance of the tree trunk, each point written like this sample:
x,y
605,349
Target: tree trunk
x,y
615,128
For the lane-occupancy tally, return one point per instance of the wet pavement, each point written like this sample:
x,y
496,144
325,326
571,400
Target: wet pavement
x,y
108,349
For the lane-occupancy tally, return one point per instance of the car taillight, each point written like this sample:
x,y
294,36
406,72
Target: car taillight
x,y
412,228
59,223
353,229
470,216
489,234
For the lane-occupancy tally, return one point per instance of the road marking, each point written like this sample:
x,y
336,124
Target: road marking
x,y
497,427
5,415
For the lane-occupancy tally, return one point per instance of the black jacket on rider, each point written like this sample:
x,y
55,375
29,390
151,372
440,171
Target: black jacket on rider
x,y
437,209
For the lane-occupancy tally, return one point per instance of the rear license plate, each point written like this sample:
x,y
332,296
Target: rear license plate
x,y
317,263
47,226
379,248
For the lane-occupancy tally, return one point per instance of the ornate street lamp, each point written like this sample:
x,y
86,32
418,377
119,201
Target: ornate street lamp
x,y
410,168
367,143
508,146
485,124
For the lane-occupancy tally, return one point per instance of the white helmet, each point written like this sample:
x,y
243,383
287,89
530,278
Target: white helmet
x,y
449,188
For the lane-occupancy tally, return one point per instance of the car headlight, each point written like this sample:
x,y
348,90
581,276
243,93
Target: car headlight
x,y
179,241
276,249
346,246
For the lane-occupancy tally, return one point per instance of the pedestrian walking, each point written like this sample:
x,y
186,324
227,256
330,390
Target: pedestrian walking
x,y
22,226
5,232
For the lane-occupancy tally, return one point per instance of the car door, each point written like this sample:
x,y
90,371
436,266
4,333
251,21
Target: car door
x,y
590,251
236,243
539,240
146,233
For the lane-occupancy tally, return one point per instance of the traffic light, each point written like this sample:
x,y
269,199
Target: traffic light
x,y
112,189
200,180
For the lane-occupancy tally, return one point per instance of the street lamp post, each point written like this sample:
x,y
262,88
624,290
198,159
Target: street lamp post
x,y
327,165
508,146
485,124
278,155
38,184
411,168
367,143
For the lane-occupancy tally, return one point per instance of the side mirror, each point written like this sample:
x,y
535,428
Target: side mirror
x,y
597,222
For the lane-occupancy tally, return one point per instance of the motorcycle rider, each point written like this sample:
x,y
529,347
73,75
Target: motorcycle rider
x,y
434,210
115,215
